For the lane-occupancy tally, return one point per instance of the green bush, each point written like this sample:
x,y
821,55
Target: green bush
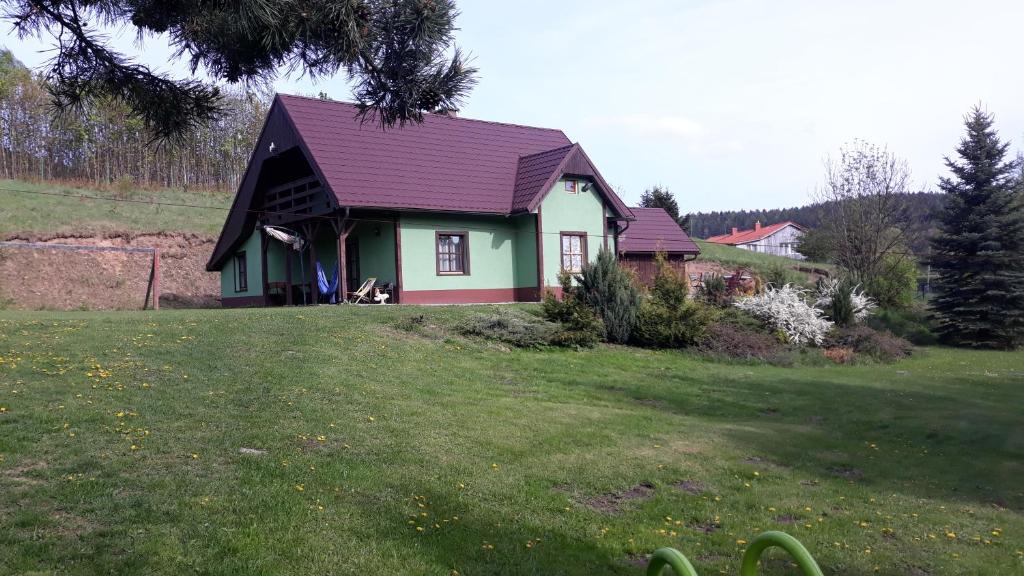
x,y
580,326
911,323
666,319
840,309
520,330
661,326
716,291
896,285
669,287
608,289
778,275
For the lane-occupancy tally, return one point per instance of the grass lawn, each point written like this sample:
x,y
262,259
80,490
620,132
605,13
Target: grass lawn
x,y
732,256
23,208
394,452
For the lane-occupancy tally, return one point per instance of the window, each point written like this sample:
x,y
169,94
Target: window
x,y
570,186
574,251
452,253
241,273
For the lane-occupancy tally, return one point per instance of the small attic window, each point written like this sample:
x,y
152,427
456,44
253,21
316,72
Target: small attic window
x,y
570,187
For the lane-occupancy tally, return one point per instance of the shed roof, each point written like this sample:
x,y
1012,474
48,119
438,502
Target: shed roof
x,y
654,230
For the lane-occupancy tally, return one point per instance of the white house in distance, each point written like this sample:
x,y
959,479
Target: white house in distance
x,y
777,239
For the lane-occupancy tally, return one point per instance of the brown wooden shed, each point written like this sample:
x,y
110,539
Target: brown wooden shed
x,y
654,231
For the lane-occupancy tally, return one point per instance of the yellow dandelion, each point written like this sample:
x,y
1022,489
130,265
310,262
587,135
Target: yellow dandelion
x,y
300,487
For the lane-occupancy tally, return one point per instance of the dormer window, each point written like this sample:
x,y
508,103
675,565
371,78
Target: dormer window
x,y
570,187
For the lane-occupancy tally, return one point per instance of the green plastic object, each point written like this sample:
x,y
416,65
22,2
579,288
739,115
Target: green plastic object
x,y
673,558
765,541
670,557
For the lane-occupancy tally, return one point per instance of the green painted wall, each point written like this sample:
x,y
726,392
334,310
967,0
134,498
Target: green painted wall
x,y
526,250
498,255
564,212
254,271
376,251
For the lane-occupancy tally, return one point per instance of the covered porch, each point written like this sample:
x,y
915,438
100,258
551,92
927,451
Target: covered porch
x,y
347,249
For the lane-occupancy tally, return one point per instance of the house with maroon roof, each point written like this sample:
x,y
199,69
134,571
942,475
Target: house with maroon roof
x,y
450,210
779,239
652,232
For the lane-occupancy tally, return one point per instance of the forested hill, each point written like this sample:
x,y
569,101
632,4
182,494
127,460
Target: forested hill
x,y
922,208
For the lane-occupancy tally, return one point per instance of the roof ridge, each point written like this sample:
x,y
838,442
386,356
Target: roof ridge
x,y
494,122
548,151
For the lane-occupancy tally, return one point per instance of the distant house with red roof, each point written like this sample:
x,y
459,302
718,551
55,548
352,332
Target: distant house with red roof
x,y
449,210
652,232
779,239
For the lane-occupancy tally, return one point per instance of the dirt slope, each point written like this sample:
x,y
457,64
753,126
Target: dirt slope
x,y
55,279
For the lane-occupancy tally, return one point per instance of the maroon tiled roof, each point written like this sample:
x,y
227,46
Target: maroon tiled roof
x,y
444,163
654,230
757,233
534,171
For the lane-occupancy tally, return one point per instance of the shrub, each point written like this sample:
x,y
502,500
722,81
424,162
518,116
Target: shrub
x,y
522,331
662,326
787,310
608,289
725,339
778,275
910,323
881,346
580,326
715,291
667,319
669,287
896,285
842,302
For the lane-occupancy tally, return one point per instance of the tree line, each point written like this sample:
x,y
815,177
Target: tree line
x,y
102,143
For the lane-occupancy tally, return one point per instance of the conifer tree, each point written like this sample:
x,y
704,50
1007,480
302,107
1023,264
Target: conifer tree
x,y
659,197
399,54
978,255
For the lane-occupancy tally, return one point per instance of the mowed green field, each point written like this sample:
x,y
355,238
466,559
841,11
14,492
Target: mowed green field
x,y
397,452
732,256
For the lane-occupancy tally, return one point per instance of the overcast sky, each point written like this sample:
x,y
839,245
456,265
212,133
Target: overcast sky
x,y
731,104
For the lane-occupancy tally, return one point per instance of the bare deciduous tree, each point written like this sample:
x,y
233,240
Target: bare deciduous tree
x,y
864,192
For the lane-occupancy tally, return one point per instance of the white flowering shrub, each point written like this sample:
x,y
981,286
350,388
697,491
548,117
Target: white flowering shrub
x,y
863,305
787,309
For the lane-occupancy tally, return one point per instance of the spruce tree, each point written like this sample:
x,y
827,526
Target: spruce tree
x,y
659,197
978,254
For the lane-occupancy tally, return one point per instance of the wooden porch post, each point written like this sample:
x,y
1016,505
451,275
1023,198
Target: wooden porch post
x,y
342,268
398,259
342,227
264,245
288,274
314,288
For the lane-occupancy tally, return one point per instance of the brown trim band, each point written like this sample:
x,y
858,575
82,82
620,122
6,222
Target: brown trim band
x,y
471,296
242,302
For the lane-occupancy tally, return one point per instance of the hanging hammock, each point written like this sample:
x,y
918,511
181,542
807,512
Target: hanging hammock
x,y
327,288
286,236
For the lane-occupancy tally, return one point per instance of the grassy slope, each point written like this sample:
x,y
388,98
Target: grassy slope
x,y
22,209
732,256
373,432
